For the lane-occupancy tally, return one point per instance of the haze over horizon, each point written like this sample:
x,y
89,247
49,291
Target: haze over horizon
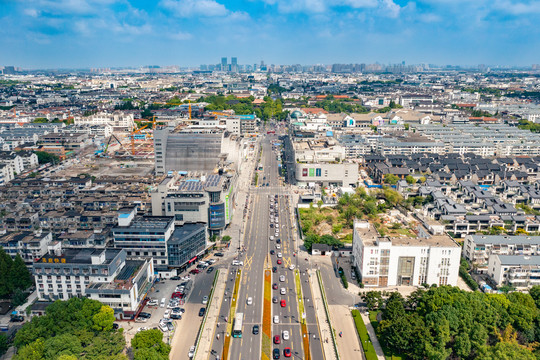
x,y
123,33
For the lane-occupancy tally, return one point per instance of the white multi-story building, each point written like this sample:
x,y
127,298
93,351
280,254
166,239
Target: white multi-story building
x,y
119,121
519,271
28,245
394,261
12,159
6,174
479,248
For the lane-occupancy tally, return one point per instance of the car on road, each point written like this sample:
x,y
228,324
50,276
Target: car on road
x,y
277,339
195,271
179,309
276,319
291,267
283,303
278,246
279,255
281,278
176,316
272,252
175,278
271,238
250,300
274,269
163,327
237,263
274,300
279,262
219,254
285,335
186,278
276,354
191,352
274,286
202,311
205,300
287,352
145,315
283,291
271,225
278,241
210,269
211,261
153,302
255,330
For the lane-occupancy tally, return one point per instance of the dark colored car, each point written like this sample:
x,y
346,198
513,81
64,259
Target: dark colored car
x,y
219,254
210,269
274,300
175,278
115,326
195,271
272,252
278,241
271,225
145,315
287,352
255,329
274,286
17,318
274,269
202,311
176,317
276,354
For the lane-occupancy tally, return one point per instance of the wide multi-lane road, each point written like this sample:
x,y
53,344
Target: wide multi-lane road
x,y
256,257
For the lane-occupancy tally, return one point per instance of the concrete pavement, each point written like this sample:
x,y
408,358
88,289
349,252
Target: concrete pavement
x,y
324,322
212,318
372,336
348,344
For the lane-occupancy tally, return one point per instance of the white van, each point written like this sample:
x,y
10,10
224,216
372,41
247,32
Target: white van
x,y
162,303
153,302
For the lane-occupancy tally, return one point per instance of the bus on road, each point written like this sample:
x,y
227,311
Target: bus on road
x,y
237,326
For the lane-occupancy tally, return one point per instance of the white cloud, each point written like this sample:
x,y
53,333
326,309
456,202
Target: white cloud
x,y
181,36
517,8
390,8
188,8
360,3
31,12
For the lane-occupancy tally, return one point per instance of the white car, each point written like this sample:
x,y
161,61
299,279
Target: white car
x,y
153,302
163,327
249,300
283,291
276,319
191,352
167,314
291,267
205,300
212,261
279,255
285,335
237,263
282,278
278,246
271,238
186,278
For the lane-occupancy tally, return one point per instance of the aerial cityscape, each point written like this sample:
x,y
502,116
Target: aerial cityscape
x,y
319,180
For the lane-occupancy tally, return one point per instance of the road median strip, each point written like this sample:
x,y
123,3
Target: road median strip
x,y
361,329
301,311
232,313
266,348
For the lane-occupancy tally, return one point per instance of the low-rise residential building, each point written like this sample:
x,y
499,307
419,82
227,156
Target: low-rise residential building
x,y
403,260
477,249
519,271
29,245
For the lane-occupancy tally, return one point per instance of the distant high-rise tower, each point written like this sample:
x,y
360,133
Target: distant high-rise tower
x,y
224,64
234,64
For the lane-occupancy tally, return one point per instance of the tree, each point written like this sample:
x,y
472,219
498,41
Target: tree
x,y
104,319
32,351
149,354
22,279
391,179
373,299
410,179
309,240
226,238
3,344
45,157
319,204
150,339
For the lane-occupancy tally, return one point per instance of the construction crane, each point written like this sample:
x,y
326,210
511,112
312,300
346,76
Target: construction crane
x,y
154,122
132,135
189,102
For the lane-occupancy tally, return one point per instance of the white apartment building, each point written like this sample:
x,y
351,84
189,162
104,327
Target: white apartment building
x,y
6,174
119,121
12,159
30,246
519,271
479,248
394,261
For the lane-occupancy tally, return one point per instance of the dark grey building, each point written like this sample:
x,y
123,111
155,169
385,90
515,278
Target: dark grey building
x,y
186,243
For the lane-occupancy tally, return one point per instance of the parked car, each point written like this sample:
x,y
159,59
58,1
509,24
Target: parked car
x,y
274,286
202,311
287,352
285,335
219,254
210,269
191,352
276,319
205,300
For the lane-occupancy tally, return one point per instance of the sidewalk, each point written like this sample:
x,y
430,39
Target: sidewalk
x,y
372,336
207,335
324,326
349,343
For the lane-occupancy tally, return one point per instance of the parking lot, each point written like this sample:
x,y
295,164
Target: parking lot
x,y
199,286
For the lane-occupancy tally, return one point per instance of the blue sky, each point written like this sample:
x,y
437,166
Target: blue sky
x,y
110,33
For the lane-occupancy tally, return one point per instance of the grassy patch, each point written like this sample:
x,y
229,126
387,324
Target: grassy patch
x,y
369,350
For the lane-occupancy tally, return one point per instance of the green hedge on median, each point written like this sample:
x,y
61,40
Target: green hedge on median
x,y
369,350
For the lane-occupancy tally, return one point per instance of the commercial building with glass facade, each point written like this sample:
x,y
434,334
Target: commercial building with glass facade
x,y
186,244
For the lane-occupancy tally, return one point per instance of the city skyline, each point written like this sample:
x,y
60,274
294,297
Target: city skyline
x,y
110,33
